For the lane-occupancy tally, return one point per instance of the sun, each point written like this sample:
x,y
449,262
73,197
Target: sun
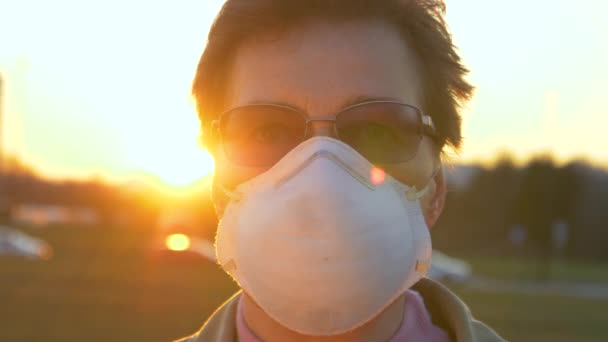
x,y
168,146
176,161
184,167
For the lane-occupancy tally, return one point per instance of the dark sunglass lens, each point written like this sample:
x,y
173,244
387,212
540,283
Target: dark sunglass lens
x,y
382,132
261,135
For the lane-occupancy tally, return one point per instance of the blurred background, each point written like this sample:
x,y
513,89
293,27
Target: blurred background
x,y
106,225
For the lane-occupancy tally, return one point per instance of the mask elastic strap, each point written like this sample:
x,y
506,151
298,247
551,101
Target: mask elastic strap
x,y
422,266
413,194
233,196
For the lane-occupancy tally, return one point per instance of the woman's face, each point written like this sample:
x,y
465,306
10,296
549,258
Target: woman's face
x,y
322,68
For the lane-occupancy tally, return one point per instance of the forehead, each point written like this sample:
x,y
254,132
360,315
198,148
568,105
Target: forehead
x,y
321,67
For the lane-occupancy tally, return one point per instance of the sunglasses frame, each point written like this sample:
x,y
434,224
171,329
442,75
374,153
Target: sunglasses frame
x,y
427,126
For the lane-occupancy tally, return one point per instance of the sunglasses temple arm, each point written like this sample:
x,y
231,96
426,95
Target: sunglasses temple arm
x,y
428,127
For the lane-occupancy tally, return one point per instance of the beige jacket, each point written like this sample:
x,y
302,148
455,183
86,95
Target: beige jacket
x,y
446,309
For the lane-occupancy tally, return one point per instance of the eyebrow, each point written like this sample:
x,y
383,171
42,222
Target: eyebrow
x,y
349,102
355,100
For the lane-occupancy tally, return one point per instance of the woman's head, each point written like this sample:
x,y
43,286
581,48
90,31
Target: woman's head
x,y
319,57
418,22
279,83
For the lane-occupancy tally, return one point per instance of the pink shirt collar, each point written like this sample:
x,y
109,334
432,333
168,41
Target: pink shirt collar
x,y
416,325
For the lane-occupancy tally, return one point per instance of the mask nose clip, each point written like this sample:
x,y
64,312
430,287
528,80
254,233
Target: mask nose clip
x,y
331,156
322,154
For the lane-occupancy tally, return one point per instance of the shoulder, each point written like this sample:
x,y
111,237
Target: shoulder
x,y
447,310
483,333
221,326
451,314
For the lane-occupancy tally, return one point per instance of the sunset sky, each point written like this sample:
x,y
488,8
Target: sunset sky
x,y
102,88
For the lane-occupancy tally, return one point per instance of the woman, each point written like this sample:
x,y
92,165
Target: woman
x,y
327,119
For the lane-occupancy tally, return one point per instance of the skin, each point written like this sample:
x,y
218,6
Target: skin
x,y
321,68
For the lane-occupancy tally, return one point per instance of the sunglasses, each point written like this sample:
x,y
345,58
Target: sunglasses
x,y
384,132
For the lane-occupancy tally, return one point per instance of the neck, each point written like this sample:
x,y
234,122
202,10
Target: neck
x,y
381,328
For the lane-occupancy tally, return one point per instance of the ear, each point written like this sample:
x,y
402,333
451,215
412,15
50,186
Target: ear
x,y
208,137
436,200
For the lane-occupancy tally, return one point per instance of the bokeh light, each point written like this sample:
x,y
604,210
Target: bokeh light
x,y
178,242
377,176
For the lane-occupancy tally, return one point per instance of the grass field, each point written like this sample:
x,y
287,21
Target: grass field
x,y
104,285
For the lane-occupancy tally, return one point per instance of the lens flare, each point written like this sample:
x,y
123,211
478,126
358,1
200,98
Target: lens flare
x,y
377,176
177,242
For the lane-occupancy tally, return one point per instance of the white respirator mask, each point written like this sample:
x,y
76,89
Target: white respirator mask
x,y
318,245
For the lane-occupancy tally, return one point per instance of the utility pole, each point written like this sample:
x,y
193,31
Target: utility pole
x,y
1,123
3,204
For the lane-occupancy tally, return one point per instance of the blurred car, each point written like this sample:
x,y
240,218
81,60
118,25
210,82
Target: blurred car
x,y
446,268
180,236
16,243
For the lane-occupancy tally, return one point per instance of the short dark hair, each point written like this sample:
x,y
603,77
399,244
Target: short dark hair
x,y
421,22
